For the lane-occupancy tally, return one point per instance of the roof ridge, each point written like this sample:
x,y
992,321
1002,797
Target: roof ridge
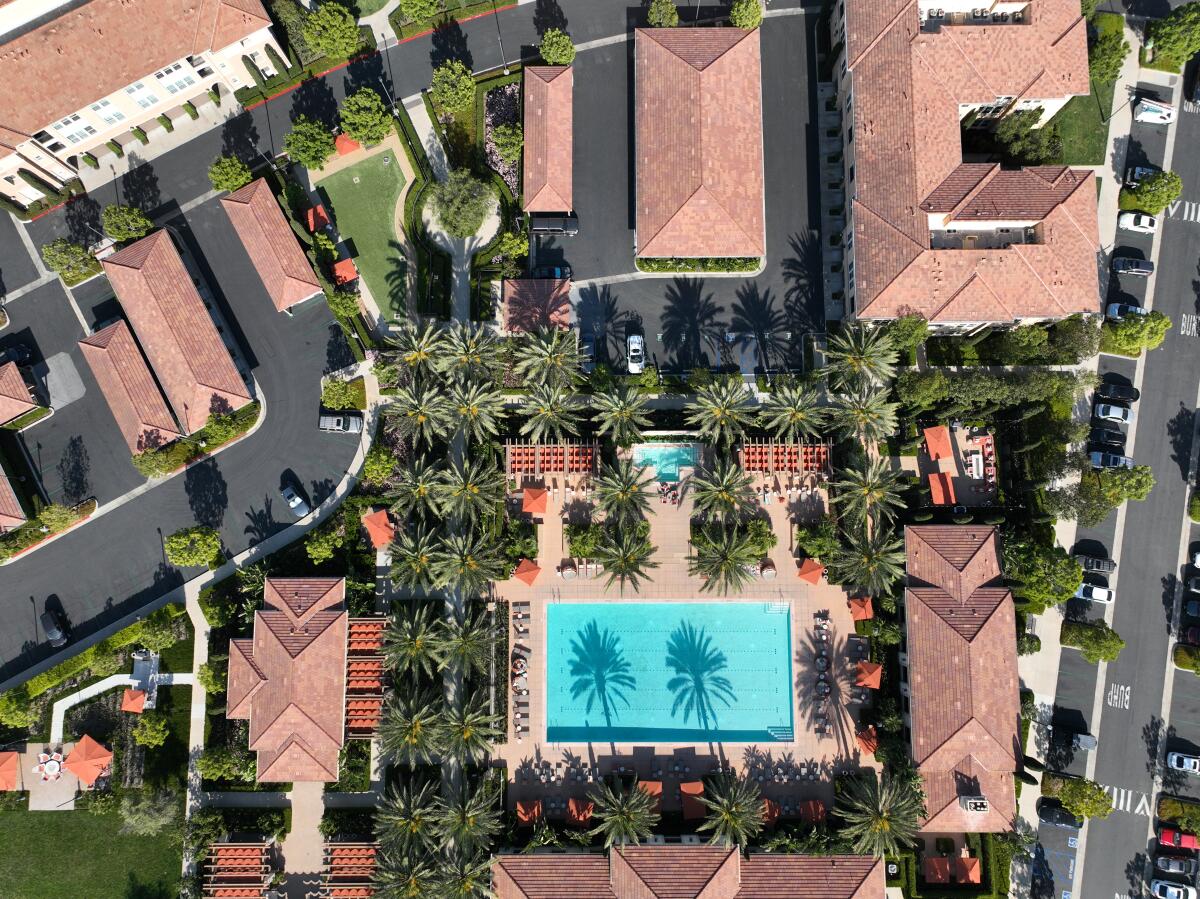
x,y
1066,209
949,33
920,246
975,276
987,179
1020,254
883,31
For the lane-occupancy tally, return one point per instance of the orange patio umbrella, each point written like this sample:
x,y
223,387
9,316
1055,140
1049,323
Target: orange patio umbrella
x,y
533,500
861,609
380,529
692,806
527,571
579,811
770,811
344,271
88,760
10,769
133,701
654,788
870,674
936,869
529,811
812,811
966,870
811,570
345,144
868,739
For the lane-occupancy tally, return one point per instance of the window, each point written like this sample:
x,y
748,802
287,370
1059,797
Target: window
x,y
141,94
174,78
109,113
73,129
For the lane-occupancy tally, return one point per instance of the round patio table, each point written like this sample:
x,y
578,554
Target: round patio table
x,y
768,573
569,574
822,663
52,768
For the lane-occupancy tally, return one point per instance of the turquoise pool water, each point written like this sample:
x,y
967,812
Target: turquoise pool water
x,y
668,672
667,458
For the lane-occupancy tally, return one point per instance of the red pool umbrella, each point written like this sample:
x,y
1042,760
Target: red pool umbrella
x,y
654,788
689,791
527,572
811,570
861,609
870,674
534,500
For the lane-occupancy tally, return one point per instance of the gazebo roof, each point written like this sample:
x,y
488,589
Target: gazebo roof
x,y
534,500
811,570
133,701
861,609
380,529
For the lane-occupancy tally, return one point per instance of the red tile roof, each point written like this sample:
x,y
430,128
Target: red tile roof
x,y
14,393
11,513
344,271
776,876
271,244
575,876
549,146
380,529
962,672
125,380
699,144
528,304
121,40
175,330
290,679
941,489
133,701
907,87
10,770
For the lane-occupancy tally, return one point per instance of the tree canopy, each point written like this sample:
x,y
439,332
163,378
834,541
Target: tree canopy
x,y
123,223
1156,192
1043,575
662,14
1176,36
309,143
462,202
746,14
228,173
452,87
556,48
68,259
1106,55
331,30
1135,332
198,545
365,117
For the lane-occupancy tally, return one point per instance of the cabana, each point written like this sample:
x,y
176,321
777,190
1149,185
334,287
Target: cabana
x,y
133,701
689,793
654,788
529,810
579,811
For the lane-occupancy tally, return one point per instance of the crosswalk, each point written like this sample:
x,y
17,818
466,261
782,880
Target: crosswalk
x,y
1133,802
1191,106
1185,210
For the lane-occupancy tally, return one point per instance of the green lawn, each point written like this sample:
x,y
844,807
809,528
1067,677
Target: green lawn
x,y
166,765
364,214
1083,122
44,854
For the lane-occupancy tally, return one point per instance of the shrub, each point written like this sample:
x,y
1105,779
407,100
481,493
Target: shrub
x,y
1180,812
662,14
137,132
420,10
331,30
69,260
309,143
198,545
123,223
281,67
364,117
1186,657
1079,796
1194,506
146,814
190,109
223,763
453,88
340,393
556,48
15,707
379,465
1028,644
228,173
462,203
323,542
166,122
214,95
1106,56
746,14
213,673
89,160
1097,641
57,517
509,139
116,148
151,729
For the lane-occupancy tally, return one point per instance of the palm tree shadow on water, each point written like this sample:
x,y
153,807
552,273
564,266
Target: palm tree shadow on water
x,y
600,671
698,684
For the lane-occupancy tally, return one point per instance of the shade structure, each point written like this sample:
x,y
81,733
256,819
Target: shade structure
x,y
936,870
867,739
380,529
941,489
316,218
133,701
527,571
689,791
811,570
533,500
345,144
770,811
812,811
529,810
88,760
966,870
345,271
861,609
10,770
937,441
654,788
579,811
870,674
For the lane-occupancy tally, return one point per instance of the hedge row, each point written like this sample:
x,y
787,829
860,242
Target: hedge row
x,y
219,431
405,27
72,188
30,417
295,75
996,865
713,264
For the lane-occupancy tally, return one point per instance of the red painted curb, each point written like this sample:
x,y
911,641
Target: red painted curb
x,y
288,90
50,210
478,15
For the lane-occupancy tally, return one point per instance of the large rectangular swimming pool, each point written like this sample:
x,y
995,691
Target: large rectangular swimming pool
x,y
667,458
674,672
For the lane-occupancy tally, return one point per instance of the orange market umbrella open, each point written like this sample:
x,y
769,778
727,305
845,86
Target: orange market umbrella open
x,y
868,739
533,500
861,609
870,674
936,870
812,811
345,144
966,870
654,788
529,811
811,570
692,807
10,768
133,701
88,760
527,572
579,811
937,441
770,811
379,528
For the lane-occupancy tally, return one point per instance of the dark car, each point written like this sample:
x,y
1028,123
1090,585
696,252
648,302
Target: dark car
x,y
1095,564
1121,392
1131,265
1101,436
17,352
1192,636
1176,864
553,272
1177,839
54,626
567,225
1056,816
1192,608
1109,460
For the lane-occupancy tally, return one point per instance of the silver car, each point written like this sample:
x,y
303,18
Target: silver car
x,y
1113,412
341,422
294,500
635,353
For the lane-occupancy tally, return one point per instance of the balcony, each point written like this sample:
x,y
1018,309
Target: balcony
x,y
999,239
933,19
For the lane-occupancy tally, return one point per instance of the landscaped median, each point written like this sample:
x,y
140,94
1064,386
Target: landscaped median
x,y
408,26
733,265
51,520
220,430
32,417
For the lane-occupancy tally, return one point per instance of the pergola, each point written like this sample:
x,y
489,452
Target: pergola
x,y
564,457
772,457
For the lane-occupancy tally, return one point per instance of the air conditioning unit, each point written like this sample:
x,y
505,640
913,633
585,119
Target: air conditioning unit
x,y
1017,16
690,839
656,839
975,804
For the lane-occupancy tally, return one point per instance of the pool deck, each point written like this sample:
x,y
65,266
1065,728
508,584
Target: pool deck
x,y
524,755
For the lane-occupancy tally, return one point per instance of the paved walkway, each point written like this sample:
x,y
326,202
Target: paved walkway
x,y
303,847
379,24
461,250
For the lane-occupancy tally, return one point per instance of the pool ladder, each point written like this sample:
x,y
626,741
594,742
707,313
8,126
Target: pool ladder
x,y
784,734
779,608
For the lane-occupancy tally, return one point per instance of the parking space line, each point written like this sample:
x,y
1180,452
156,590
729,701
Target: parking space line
x,y
34,255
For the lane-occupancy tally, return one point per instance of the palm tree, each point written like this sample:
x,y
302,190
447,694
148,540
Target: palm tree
x,y
861,354
411,726
466,561
735,811
723,492
870,492
415,489
553,412
621,413
465,644
698,683
464,876
791,413
623,493
406,819
418,412
470,490
402,875
469,729
411,640
864,413
624,816
721,411
625,554
471,353
468,821
548,356
600,670
872,562
724,557
880,817
476,409
417,350
413,551
253,578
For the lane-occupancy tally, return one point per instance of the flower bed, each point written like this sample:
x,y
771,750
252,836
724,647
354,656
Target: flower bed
x,y
715,264
501,105
31,417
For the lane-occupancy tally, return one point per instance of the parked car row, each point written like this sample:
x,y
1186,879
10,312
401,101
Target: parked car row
x,y
1176,861
1112,408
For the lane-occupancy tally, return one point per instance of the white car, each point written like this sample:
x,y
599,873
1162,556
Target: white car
x,y
1113,412
1137,221
1164,889
1153,112
1094,593
635,353
1188,764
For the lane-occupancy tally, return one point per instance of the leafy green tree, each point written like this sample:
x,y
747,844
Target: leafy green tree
x,y
625,554
624,817
212,675
735,804
1042,575
56,517
864,413
68,259
406,820
123,223
1085,798
309,142
871,491
509,140
152,729
621,414
880,817
332,31
228,173
1096,641
469,730
553,413
415,490
908,332
453,88
462,202
1101,491
556,48
723,492
466,562
1025,143
411,727
662,14
420,413
322,543
872,562
921,390
340,393
1106,56
1176,36
792,413
471,489
198,545
145,813
1134,333
1156,192
413,554
746,14
548,355
420,10
225,763
723,556
365,117
379,465
476,410
721,412
158,631
623,493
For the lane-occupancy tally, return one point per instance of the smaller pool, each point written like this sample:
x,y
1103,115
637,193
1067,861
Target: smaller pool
x,y
667,458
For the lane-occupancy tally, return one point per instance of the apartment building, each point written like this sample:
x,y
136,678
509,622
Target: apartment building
x,y
79,74
964,244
